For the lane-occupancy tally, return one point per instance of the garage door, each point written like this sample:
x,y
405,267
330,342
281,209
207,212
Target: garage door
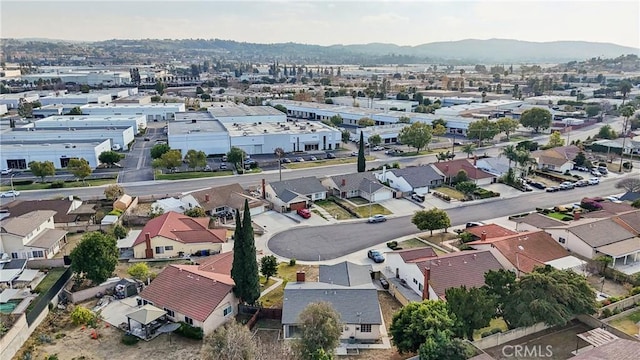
x,y
298,205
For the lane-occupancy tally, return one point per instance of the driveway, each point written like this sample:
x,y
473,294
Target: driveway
x,y
505,191
403,207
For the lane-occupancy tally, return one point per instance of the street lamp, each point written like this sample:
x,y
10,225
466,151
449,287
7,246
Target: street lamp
x,y
13,192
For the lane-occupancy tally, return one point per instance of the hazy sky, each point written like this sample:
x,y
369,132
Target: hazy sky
x,y
325,22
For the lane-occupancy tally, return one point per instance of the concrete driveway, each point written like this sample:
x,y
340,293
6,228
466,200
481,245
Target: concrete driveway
x,y
403,207
504,190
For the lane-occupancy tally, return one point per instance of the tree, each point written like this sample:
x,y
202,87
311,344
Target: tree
x,y
468,149
473,309
158,150
95,257
592,110
507,125
362,161
42,169
375,140
524,159
139,271
604,261
536,119
555,140
195,212
25,109
109,157
282,108
346,136
432,219
80,168
160,87
548,295
461,176
437,122
630,184
268,266
120,232
482,129
236,156
336,120
625,88
510,153
279,153
244,270
606,132
439,130
404,120
636,204
418,321
442,346
365,121
626,112
195,159
113,191
498,285
320,329
466,187
233,341
75,111
171,159
417,135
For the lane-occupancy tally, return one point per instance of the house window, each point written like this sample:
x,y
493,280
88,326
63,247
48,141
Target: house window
x,y
420,287
562,240
168,248
415,281
188,320
228,310
365,328
170,312
14,255
38,254
159,249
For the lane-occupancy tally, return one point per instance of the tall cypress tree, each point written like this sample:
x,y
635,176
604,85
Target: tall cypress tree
x,y
251,281
237,267
361,160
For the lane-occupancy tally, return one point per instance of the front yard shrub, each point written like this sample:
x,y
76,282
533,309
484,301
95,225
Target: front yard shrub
x,y
191,332
635,291
129,339
59,184
82,316
466,237
392,245
481,193
292,262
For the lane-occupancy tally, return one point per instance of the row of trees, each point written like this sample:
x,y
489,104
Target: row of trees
x,y
164,156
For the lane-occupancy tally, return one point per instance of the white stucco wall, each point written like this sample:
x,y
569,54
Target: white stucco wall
x,y
572,242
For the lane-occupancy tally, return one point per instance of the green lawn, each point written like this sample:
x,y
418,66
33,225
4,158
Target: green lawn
x,y
365,211
558,215
628,323
412,243
192,175
323,162
453,193
287,273
70,184
318,213
52,276
495,323
336,211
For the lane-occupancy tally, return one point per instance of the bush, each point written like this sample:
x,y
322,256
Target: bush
x,y
22,182
392,245
292,262
191,332
129,339
58,184
606,313
466,237
635,291
82,316
115,212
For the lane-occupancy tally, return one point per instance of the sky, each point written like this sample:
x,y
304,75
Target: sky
x,y
324,22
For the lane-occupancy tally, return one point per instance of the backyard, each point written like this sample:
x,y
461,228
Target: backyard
x,y
287,273
629,323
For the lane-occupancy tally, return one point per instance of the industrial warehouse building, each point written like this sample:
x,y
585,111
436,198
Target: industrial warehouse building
x,y
137,122
153,112
76,99
117,135
18,154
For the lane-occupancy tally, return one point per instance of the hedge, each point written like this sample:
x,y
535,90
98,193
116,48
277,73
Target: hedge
x,y
191,332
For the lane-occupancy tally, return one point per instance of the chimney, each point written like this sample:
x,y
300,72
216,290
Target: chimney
x,y
148,252
264,189
207,198
384,172
483,236
425,288
300,276
576,215
344,182
475,160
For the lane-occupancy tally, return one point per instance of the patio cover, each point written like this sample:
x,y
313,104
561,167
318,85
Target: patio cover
x,y
8,294
8,275
567,263
146,314
597,337
621,248
128,241
28,275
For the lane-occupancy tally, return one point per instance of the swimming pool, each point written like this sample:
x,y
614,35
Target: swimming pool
x,y
8,307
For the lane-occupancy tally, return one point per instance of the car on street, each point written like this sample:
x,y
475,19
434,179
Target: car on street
x,y
538,185
376,256
594,181
286,161
378,148
313,158
613,199
582,183
299,159
6,171
377,218
147,139
304,213
354,153
567,185
474,224
10,193
552,189
223,166
331,156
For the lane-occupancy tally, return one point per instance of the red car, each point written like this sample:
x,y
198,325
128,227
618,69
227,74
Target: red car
x,y
305,213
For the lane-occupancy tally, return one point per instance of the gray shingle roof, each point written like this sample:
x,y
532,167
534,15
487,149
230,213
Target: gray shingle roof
x,y
418,176
538,220
346,274
619,349
301,186
356,305
601,232
357,181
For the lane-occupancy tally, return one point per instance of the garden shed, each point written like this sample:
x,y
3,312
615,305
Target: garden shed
x,y
123,202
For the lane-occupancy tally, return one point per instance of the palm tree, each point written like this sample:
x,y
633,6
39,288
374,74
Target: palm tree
x,y
524,159
625,88
468,149
279,152
510,153
626,112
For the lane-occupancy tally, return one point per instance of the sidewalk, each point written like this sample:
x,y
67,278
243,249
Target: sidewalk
x,y
272,287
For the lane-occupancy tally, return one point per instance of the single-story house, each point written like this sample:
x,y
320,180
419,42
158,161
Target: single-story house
x,y
558,159
31,236
489,231
69,211
223,199
536,221
349,289
440,273
364,185
451,168
521,252
416,179
195,294
294,194
497,166
172,235
630,146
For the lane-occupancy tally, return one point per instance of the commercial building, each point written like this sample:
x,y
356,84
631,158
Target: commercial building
x,y
79,122
384,105
118,135
13,100
153,112
48,110
76,99
92,78
246,114
200,131
18,154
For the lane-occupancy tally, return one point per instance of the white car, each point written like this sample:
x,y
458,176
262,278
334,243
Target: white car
x,y
378,148
613,199
6,171
594,181
10,193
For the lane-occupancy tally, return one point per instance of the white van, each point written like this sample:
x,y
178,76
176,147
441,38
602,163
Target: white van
x,y
116,147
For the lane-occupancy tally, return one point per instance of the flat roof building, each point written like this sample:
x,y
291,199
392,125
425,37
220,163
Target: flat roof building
x,y
120,135
137,122
153,112
76,99
246,114
200,131
18,154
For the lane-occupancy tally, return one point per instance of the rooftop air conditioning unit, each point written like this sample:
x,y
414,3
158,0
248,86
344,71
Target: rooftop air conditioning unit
x,y
265,130
313,130
287,128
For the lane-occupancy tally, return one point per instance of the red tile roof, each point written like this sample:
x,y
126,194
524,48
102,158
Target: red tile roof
x,y
416,254
457,269
219,263
189,291
451,168
527,250
491,230
181,228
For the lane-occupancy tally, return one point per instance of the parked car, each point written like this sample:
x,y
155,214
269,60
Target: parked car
x,y
613,199
6,171
378,148
474,224
552,189
313,158
527,188
595,172
580,168
354,153
224,158
299,159
331,156
603,170
375,255
537,185
10,193
567,185
582,183
286,160
305,213
594,181
377,218
207,168
223,166
417,197
147,139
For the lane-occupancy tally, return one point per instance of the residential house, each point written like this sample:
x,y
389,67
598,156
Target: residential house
x,y
349,290
364,185
31,236
199,295
618,349
415,179
451,168
535,221
173,235
294,194
497,166
616,145
68,211
521,252
223,199
489,231
558,159
441,272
